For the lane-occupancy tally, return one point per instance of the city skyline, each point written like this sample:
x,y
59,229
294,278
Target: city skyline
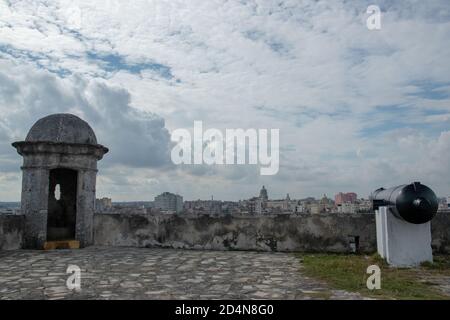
x,y
356,109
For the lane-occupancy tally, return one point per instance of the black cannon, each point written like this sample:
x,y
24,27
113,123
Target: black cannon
x,y
414,203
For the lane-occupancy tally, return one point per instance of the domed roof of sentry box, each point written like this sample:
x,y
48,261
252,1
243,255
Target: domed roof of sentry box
x,y
62,128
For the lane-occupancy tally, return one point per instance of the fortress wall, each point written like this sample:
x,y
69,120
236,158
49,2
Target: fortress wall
x,y
11,231
306,232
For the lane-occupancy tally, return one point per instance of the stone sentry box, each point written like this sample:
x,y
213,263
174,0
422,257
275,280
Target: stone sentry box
x,y
60,155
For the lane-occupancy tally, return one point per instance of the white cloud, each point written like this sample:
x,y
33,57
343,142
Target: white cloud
x,y
343,97
137,138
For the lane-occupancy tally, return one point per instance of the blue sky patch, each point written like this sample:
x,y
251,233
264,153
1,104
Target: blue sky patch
x,y
37,58
431,90
113,62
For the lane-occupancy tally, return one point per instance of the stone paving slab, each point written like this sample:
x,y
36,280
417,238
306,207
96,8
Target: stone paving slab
x,y
442,282
140,273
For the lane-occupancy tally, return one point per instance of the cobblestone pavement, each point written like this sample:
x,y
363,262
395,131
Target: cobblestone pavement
x,y
442,282
133,273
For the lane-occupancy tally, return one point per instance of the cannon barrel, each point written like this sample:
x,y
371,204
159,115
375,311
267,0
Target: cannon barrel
x,y
414,203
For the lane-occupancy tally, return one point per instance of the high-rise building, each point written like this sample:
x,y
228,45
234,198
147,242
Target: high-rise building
x,y
341,198
169,202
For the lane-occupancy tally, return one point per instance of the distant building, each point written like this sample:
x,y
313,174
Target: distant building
x,y
230,207
348,207
324,205
10,211
315,208
341,198
260,206
263,194
364,206
251,206
10,208
282,205
207,206
169,202
300,208
133,204
442,203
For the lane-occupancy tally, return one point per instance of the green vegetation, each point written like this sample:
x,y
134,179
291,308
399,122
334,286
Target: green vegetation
x,y
348,272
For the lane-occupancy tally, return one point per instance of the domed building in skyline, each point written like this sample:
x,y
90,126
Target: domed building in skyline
x,y
263,194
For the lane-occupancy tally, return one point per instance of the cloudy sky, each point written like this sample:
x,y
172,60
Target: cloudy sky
x,y
357,109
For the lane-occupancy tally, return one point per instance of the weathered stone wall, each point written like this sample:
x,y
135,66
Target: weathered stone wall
x,y
316,233
440,232
11,231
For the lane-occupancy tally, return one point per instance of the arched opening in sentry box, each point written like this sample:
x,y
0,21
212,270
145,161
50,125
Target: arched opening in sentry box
x,y
62,204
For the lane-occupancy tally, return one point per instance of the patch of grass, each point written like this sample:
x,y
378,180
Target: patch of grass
x,y
348,272
441,263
